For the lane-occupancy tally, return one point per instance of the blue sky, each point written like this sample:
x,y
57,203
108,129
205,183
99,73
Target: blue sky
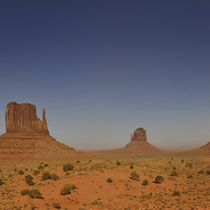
x,y
103,68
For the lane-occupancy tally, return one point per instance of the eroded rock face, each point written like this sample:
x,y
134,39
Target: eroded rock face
x,y
139,135
23,118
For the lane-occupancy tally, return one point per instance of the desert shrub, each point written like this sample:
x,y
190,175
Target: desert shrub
x,y
174,168
26,169
109,180
201,172
158,179
15,169
169,162
68,167
35,172
145,182
66,190
25,192
176,193
174,173
40,167
90,161
189,165
1,182
208,172
29,180
56,206
131,167
78,161
118,163
189,176
45,165
34,193
54,177
21,172
46,175
73,186
182,161
134,175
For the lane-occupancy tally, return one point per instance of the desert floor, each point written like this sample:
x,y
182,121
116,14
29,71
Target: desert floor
x,y
186,188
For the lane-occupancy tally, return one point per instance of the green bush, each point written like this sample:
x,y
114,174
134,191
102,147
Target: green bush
x,y
78,161
66,190
34,193
201,172
131,167
21,172
174,173
68,167
145,182
176,193
1,182
134,176
25,192
158,179
56,206
35,172
189,165
90,161
45,165
118,163
40,167
109,180
29,180
46,175
54,177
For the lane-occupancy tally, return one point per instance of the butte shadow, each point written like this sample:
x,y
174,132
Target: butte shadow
x,y
27,137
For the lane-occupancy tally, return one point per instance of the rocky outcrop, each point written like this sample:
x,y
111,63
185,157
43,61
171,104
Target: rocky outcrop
x,y
139,135
27,137
139,144
23,118
205,147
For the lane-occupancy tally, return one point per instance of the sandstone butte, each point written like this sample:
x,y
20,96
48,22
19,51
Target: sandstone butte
x,y
139,144
27,137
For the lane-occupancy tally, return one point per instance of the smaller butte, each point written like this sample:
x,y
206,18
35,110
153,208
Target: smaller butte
x,y
139,144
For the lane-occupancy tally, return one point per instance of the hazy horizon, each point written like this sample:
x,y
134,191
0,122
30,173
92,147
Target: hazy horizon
x,y
103,69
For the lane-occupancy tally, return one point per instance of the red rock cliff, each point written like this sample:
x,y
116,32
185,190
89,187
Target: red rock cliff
x,y
23,118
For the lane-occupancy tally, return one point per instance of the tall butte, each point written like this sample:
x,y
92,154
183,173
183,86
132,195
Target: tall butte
x,y
139,143
28,137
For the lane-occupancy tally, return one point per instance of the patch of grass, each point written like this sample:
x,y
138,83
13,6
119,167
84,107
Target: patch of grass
x,y
40,167
29,180
174,173
46,175
158,179
68,167
25,192
56,206
35,193
134,175
118,163
201,172
35,172
145,182
1,182
66,190
109,180
21,172
54,177
176,193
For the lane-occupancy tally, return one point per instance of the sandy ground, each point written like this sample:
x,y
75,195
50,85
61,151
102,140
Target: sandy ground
x,y
94,192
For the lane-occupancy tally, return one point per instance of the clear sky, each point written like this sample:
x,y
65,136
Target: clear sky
x,y
103,68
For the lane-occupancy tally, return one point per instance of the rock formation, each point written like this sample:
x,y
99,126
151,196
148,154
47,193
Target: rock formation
x,y
205,148
23,118
139,144
28,137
